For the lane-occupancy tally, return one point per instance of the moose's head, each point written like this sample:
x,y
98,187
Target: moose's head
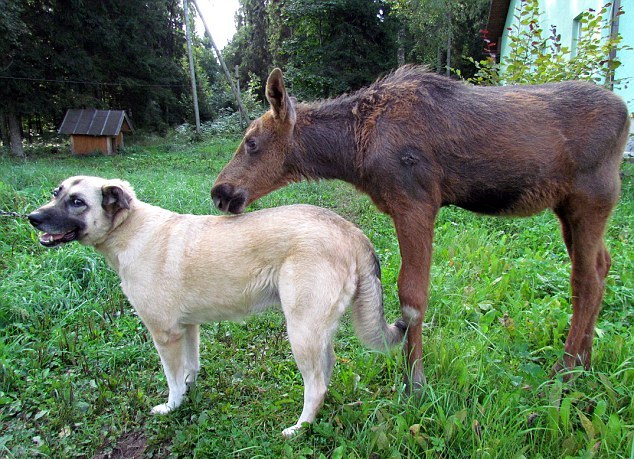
x,y
260,164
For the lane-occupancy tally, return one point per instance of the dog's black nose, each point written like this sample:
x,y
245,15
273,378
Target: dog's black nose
x,y
35,218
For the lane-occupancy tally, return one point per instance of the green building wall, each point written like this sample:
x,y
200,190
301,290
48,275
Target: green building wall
x,y
626,71
562,14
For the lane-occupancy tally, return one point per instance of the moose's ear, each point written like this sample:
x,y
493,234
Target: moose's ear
x,y
281,104
115,198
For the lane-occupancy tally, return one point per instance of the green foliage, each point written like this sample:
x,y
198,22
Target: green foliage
x,y
436,29
214,93
12,29
325,47
537,55
337,46
227,121
118,54
79,374
250,46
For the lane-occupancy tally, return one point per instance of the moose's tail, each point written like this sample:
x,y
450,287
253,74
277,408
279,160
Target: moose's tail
x,y
367,311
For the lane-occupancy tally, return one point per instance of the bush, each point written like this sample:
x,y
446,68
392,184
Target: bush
x,y
227,121
535,58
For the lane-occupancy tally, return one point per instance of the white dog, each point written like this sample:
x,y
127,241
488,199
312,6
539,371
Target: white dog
x,y
179,271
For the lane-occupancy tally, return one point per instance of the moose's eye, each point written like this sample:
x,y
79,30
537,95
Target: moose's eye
x,y
252,146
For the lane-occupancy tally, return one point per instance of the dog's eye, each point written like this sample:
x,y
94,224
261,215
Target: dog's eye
x,y
76,202
55,192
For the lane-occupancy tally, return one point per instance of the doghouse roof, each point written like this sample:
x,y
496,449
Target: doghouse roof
x,y
95,122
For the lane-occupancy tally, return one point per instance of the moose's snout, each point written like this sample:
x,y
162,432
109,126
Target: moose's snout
x,y
229,199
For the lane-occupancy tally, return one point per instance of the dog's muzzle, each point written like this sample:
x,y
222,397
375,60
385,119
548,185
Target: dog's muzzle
x,y
51,236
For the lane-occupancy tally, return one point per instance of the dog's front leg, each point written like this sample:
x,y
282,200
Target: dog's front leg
x,y
171,347
192,355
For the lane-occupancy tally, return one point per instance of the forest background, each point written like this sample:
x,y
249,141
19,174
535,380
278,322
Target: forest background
x,y
131,55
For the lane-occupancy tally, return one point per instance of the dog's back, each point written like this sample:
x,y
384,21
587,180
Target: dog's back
x,y
225,267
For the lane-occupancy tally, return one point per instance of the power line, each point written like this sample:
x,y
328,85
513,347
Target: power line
x,y
45,80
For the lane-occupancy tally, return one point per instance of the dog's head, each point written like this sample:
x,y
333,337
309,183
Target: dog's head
x,y
84,209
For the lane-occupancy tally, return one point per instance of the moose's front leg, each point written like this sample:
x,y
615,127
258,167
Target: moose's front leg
x,y
415,232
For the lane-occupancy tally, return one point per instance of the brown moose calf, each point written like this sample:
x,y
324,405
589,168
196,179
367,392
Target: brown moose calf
x,y
415,141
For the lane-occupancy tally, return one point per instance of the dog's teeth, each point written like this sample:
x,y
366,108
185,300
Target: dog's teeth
x,y
47,238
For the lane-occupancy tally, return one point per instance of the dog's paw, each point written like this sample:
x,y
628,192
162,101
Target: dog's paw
x,y
190,377
291,431
161,409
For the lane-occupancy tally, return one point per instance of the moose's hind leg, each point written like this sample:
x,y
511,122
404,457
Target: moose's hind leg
x,y
415,232
583,224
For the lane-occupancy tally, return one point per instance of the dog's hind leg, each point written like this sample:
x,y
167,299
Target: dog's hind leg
x,y
171,348
192,353
312,313
315,359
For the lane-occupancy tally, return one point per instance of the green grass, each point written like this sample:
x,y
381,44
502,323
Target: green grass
x,y
79,374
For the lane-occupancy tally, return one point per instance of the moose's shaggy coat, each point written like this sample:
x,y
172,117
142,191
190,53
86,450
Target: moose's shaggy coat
x,y
179,271
415,141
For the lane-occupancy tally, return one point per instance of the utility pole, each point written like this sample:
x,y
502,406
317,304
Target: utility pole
x,y
242,121
192,74
236,93
614,33
449,37
400,53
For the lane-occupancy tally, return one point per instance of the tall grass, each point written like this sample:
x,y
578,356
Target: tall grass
x,y
78,372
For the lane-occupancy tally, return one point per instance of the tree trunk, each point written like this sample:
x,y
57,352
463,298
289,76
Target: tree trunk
x,y
15,135
4,128
401,47
192,73
439,59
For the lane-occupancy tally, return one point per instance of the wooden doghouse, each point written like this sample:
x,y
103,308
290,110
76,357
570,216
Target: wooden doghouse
x,y
93,130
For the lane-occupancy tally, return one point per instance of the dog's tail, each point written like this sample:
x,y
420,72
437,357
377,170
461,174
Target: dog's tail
x,y
367,311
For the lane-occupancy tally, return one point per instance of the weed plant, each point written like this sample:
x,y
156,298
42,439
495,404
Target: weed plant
x,y
537,55
79,373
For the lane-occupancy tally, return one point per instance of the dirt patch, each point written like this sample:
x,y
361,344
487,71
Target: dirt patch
x,y
130,446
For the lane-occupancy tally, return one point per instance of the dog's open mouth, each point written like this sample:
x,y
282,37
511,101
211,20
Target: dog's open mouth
x,y
51,240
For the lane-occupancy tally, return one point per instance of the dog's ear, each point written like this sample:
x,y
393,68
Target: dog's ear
x,y
115,198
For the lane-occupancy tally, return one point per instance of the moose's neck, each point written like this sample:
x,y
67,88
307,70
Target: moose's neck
x,y
324,137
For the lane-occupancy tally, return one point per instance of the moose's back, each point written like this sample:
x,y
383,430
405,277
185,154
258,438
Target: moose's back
x,y
496,150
